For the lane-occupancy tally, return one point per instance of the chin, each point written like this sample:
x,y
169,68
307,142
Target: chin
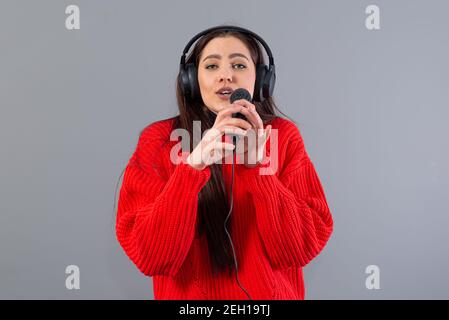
x,y
207,107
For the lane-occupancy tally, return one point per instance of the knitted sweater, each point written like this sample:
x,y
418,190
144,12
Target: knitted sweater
x,y
280,221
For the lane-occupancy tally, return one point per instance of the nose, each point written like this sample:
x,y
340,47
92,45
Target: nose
x,y
226,75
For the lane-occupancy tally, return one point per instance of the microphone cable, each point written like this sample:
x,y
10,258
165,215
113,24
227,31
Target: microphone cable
x,y
234,139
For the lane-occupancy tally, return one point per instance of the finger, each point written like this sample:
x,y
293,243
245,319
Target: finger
x,y
216,133
250,116
262,142
245,125
219,150
214,144
268,131
211,149
212,134
243,102
233,130
266,134
224,145
228,111
260,133
252,108
259,121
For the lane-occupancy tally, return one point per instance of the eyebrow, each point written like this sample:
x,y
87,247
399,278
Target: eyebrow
x,y
232,55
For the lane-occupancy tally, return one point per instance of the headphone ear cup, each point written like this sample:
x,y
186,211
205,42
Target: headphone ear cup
x,y
261,71
269,82
192,75
185,85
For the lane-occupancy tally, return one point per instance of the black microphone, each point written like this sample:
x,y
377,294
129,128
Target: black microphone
x,y
238,94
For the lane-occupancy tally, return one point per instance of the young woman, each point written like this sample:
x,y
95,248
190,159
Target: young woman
x,y
172,215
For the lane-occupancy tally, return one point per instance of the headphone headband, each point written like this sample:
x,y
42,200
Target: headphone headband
x,y
228,28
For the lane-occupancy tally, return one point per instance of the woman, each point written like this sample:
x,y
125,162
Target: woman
x,y
172,215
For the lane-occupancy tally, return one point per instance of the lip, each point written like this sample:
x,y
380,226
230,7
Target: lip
x,y
223,96
225,89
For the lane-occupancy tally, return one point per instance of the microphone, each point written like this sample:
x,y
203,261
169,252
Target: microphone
x,y
238,94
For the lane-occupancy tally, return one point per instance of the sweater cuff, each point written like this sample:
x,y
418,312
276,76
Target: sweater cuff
x,y
194,179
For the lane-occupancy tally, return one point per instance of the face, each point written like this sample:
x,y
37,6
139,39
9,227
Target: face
x,y
224,62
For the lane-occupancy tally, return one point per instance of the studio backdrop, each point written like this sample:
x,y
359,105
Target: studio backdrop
x,y
366,82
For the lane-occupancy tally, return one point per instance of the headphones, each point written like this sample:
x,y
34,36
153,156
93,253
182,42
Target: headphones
x,y
265,75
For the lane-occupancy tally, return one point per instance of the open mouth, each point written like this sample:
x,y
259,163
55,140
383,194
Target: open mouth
x,y
224,93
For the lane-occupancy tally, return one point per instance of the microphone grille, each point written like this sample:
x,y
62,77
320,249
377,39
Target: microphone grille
x,y
240,94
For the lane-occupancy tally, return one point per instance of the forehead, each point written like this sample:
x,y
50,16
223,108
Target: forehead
x,y
224,46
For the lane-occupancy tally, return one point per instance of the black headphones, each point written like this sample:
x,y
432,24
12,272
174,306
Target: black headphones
x,y
265,75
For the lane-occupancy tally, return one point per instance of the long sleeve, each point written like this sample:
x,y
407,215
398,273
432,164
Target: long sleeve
x,y
293,218
156,217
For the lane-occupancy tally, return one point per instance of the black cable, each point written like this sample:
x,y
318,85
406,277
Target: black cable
x,y
234,138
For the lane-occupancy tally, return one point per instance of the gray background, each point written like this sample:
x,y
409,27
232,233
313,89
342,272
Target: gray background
x,y
372,107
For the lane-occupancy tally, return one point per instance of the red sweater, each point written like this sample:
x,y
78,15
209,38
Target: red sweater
x,y
280,222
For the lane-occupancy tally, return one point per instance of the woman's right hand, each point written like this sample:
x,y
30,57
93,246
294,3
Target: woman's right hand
x,y
211,149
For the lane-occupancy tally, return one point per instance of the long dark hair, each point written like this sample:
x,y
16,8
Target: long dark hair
x,y
213,206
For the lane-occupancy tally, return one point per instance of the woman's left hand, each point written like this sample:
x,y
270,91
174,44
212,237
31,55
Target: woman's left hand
x,y
253,150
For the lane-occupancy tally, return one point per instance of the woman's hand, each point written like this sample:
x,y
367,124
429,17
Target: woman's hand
x,y
210,149
254,149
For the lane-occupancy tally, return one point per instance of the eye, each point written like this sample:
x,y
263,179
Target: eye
x,y
213,66
239,64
